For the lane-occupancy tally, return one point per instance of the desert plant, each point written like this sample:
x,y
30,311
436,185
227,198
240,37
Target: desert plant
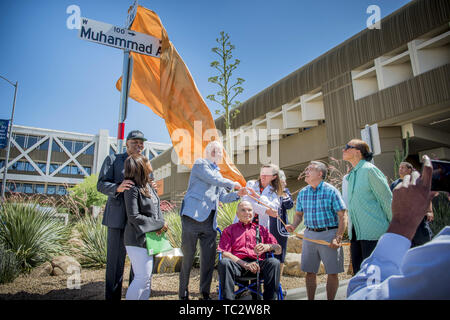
x,y
94,237
85,195
9,266
441,210
400,156
31,232
226,214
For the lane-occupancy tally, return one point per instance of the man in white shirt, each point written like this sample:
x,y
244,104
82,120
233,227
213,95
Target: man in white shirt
x,y
393,271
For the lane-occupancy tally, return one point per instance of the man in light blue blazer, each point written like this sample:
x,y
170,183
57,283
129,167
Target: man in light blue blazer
x,y
198,216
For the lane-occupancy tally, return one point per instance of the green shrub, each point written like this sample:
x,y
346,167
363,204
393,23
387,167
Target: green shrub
x,y
441,210
85,195
94,236
9,266
31,233
226,214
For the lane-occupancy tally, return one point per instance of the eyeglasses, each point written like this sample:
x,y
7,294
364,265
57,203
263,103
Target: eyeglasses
x,y
347,146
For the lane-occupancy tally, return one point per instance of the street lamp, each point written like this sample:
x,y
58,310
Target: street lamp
x,y
9,136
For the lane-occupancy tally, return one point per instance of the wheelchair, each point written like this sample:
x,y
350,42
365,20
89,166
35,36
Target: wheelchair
x,y
248,283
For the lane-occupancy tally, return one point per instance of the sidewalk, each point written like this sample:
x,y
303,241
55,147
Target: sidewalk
x,y
321,293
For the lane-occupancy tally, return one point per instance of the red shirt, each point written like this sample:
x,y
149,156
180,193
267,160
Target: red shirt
x,y
240,240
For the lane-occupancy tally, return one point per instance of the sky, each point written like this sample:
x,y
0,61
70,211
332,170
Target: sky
x,y
68,84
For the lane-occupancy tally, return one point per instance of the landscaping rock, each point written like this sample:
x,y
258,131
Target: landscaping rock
x,y
292,265
45,269
64,265
294,245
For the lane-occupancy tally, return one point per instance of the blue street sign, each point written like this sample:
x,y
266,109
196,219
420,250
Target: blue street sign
x,y
3,133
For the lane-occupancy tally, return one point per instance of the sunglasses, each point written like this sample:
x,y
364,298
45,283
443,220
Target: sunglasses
x,y
347,146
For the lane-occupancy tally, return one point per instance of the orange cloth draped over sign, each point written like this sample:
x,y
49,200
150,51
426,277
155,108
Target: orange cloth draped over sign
x,y
166,86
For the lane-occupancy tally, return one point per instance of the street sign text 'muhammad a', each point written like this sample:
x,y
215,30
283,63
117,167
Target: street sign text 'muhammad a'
x,y
121,38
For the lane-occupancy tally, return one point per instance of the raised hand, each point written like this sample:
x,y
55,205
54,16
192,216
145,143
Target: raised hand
x,y
125,185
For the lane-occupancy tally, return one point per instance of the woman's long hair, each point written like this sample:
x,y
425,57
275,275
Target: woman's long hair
x,y
275,183
138,168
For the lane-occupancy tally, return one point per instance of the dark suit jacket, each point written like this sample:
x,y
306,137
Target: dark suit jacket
x,y
110,177
144,215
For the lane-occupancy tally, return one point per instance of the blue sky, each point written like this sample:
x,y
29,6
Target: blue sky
x,y
69,84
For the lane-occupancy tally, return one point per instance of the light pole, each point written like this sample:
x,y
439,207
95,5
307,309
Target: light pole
x,y
9,136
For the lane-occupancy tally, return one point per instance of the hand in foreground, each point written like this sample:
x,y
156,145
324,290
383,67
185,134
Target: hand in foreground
x,y
272,213
252,266
410,201
125,185
237,186
163,229
335,243
290,228
261,248
253,193
242,192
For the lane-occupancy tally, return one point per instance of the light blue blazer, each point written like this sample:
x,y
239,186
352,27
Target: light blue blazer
x,y
205,189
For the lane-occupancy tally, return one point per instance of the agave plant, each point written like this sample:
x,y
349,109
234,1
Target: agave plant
x,y
31,232
94,236
226,213
9,266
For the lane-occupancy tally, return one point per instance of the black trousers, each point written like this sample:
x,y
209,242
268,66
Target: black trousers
x,y
115,263
229,270
360,250
193,231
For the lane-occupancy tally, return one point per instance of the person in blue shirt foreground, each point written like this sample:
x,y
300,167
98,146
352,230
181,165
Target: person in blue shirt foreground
x,y
393,270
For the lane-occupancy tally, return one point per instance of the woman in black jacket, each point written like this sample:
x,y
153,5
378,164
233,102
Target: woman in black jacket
x,y
143,215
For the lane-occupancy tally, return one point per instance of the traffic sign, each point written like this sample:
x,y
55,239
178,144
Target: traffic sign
x,y
117,37
4,124
131,14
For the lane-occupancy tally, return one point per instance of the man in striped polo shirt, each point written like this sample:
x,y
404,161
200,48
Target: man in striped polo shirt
x,y
324,211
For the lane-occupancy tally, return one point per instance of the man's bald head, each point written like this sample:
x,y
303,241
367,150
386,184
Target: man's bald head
x,y
245,212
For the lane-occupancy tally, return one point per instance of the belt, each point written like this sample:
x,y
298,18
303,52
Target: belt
x,y
321,229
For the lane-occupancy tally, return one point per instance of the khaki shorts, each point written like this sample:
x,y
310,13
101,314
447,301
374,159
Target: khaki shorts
x,y
313,253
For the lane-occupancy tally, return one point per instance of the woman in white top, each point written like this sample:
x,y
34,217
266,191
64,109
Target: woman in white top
x,y
267,189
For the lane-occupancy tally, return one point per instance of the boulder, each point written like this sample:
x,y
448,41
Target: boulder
x,y
45,269
294,245
64,265
292,265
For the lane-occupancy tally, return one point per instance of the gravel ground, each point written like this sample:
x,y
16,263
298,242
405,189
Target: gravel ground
x,y
164,286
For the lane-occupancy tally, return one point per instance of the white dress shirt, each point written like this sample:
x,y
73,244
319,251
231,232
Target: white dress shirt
x,y
393,271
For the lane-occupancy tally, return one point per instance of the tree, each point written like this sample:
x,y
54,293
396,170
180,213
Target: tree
x,y
228,91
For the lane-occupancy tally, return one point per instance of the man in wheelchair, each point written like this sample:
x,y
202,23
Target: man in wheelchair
x,y
239,248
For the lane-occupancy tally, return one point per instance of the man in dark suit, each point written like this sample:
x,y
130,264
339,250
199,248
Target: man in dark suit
x,y
111,183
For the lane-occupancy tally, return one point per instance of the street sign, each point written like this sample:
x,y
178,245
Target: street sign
x,y
117,37
370,135
4,124
131,14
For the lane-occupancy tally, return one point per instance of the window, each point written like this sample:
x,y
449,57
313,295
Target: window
x,y
68,144
65,170
61,190
79,145
42,166
20,139
43,145
39,188
74,170
88,170
27,188
2,163
51,189
56,147
53,167
29,167
90,150
31,141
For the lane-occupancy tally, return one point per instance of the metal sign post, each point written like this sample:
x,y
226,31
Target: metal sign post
x,y
128,40
5,171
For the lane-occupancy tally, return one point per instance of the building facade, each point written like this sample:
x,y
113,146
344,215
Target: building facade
x,y
44,161
397,77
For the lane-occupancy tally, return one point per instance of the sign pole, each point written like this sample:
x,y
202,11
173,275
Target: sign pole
x,y
9,141
126,81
